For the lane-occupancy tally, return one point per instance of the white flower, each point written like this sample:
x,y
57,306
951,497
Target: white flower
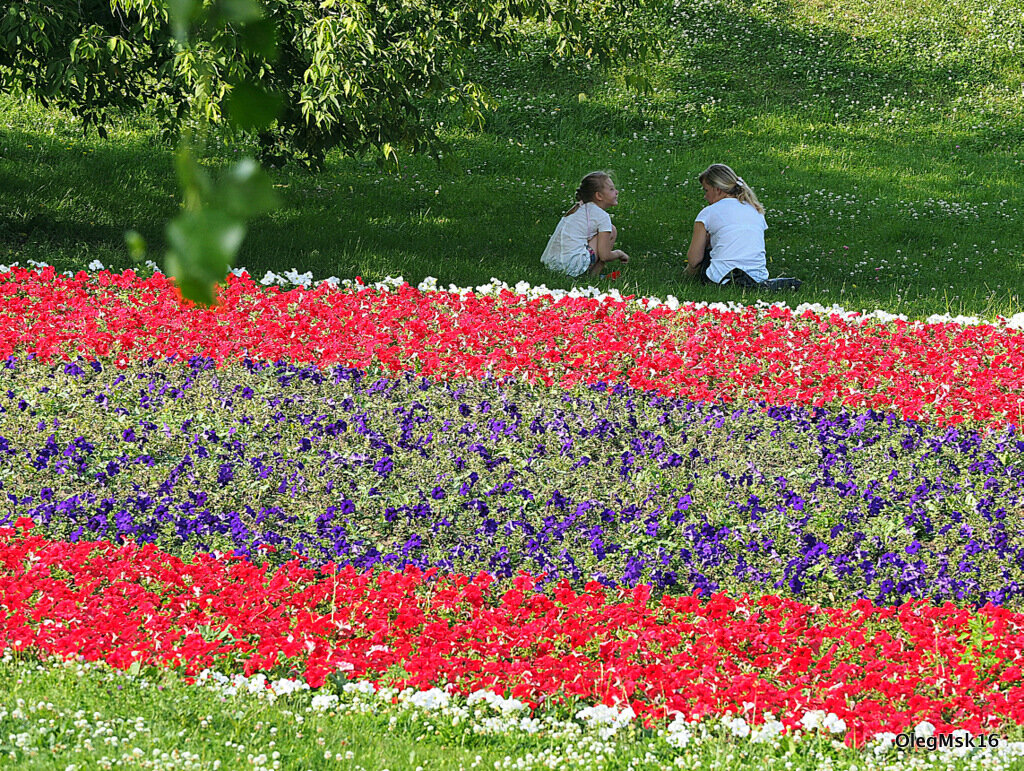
x,y
363,687
766,731
812,720
605,720
834,724
924,730
499,703
324,701
884,741
737,726
430,700
678,733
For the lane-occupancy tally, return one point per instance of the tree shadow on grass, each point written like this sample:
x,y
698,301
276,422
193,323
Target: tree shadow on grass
x,y
64,199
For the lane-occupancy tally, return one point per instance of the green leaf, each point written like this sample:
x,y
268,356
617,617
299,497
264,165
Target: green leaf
x,y
194,180
240,11
136,245
202,245
260,38
251,107
246,190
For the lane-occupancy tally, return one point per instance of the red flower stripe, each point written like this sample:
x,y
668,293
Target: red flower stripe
x,y
945,372
877,668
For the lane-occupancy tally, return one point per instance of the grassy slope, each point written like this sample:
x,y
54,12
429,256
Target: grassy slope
x,y
885,140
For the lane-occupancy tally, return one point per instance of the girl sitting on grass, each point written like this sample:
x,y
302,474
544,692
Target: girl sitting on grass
x,y
583,239
728,235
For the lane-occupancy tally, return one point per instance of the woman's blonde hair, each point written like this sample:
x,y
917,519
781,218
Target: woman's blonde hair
x,y
728,181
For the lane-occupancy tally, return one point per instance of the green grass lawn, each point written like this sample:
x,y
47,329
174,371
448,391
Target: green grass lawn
x,y
82,716
884,139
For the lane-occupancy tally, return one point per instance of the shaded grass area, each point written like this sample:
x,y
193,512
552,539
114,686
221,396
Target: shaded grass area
x,y
884,141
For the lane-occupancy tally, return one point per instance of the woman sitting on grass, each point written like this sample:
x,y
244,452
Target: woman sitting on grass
x,y
728,236
583,239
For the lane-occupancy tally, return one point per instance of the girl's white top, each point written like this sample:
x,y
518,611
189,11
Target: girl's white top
x,y
737,238
566,251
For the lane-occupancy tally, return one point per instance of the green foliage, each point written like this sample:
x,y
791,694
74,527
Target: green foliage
x,y
354,75
204,239
303,76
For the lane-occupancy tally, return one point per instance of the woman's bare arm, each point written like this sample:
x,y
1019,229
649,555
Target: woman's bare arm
x,y
698,244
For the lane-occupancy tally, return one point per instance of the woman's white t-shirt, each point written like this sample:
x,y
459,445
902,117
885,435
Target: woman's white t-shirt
x,y
567,251
737,238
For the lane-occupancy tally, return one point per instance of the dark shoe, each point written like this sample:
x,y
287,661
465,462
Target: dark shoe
x,y
781,283
740,278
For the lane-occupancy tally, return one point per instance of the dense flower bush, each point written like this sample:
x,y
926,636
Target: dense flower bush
x,y
875,668
590,483
944,372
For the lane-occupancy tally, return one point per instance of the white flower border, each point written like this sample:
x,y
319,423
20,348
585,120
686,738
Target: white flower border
x,y
292,278
486,712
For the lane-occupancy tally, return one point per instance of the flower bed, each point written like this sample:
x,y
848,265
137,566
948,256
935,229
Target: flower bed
x,y
717,510
948,372
875,668
590,483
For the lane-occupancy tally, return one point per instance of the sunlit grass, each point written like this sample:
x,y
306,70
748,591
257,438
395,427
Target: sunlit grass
x,y
884,139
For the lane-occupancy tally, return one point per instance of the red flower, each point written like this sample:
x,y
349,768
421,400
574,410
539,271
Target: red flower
x,y
943,372
127,604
